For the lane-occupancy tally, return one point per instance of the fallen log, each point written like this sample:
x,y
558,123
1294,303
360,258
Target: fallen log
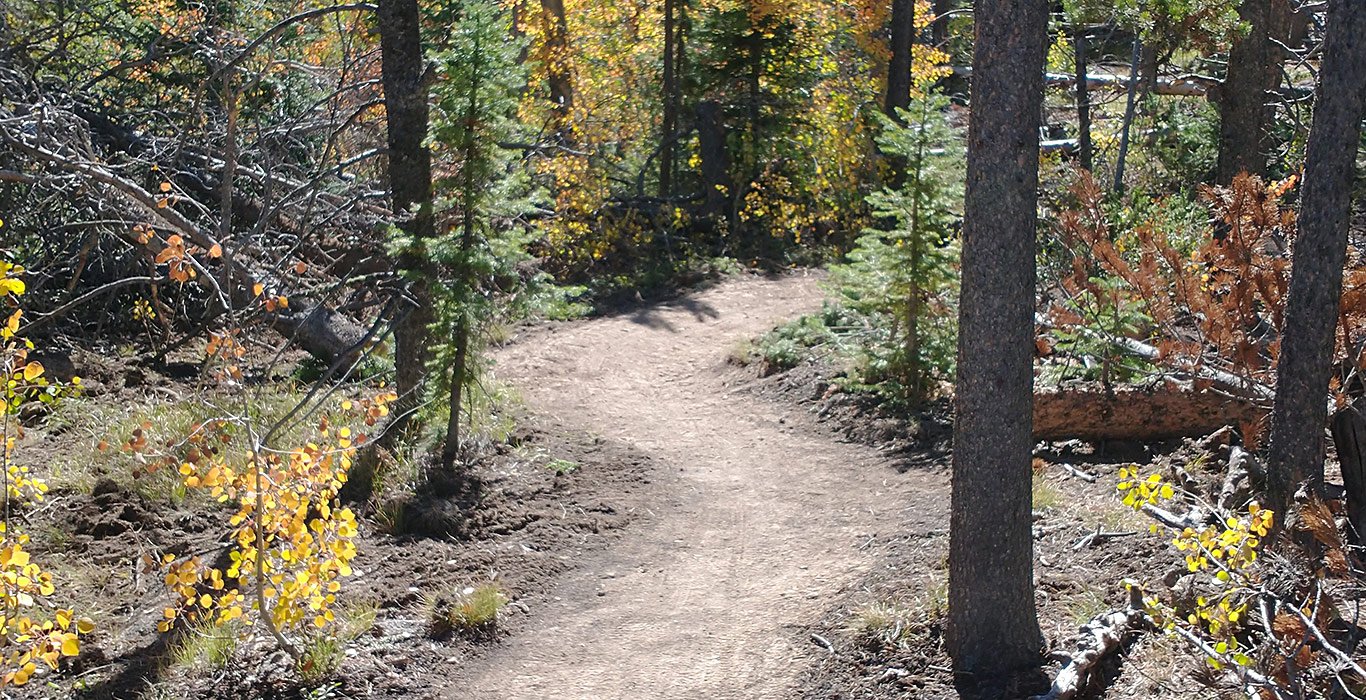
x,y
1187,86
1183,86
1093,412
1097,639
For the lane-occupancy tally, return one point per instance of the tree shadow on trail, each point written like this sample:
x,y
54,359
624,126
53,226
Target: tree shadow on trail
x,y
653,317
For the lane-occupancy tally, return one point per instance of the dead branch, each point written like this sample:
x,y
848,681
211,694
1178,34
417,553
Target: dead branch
x,y
1098,638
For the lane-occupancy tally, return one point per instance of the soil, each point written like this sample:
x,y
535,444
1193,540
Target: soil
x,y
763,520
666,522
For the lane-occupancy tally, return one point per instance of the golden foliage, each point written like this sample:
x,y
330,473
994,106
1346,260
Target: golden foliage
x,y
32,629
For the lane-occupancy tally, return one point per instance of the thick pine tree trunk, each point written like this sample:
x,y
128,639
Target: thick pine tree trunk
x,y
1254,71
993,630
1302,374
410,179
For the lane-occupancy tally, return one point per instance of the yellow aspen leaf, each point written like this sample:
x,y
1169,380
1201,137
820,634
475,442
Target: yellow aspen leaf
x,y
70,646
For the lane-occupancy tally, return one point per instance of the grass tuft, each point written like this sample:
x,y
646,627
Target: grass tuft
x,y
206,648
1046,495
474,609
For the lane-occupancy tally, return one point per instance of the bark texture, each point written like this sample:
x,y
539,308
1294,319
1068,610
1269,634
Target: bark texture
x,y
993,628
899,65
1302,374
1349,437
1136,413
556,30
711,146
939,28
410,179
1244,98
669,129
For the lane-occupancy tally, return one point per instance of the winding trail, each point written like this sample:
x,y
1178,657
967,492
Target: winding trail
x,y
764,520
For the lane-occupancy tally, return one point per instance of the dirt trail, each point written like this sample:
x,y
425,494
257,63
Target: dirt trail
x,y
763,519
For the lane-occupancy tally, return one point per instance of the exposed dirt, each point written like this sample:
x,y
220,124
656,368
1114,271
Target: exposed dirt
x,y
517,522
765,514
764,521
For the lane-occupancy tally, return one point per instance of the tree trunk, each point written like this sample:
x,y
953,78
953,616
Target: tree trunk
x,y
1083,101
1148,65
410,179
939,28
1128,118
1320,252
1349,438
1244,111
711,146
899,65
670,121
993,629
556,29
898,94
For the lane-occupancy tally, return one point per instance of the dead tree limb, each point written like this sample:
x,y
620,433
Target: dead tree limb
x,y
1098,638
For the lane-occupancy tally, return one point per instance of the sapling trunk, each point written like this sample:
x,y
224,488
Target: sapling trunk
x,y
469,203
259,532
1128,117
1083,101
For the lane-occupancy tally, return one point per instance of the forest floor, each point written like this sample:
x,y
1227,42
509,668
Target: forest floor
x,y
666,522
796,544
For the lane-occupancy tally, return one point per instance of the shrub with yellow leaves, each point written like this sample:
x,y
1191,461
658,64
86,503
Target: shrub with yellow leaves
x,y
1226,552
291,544
28,636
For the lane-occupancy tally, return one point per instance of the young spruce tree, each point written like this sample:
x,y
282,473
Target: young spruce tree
x,y
481,189
909,274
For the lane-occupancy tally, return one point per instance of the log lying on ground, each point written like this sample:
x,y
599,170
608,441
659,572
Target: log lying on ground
x,y
1091,412
1098,638
314,328
1184,86
1190,86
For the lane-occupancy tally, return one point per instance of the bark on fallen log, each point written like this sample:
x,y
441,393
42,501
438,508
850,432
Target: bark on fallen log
x,y
1135,413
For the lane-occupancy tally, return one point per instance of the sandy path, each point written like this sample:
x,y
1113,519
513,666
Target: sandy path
x,y
764,519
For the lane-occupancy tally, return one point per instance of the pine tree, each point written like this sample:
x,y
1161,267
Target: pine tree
x,y
908,274
481,189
